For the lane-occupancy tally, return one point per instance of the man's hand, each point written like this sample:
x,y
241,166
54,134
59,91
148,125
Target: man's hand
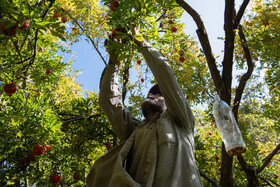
x,y
135,32
113,55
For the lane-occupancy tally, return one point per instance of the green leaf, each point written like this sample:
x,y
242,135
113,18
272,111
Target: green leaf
x,y
57,34
39,26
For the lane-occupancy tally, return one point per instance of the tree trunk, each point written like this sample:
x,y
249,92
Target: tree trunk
x,y
226,169
252,177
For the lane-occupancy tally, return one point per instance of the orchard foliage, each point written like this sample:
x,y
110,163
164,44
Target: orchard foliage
x,y
52,130
262,31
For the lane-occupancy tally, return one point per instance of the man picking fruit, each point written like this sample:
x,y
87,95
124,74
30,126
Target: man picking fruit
x,y
158,152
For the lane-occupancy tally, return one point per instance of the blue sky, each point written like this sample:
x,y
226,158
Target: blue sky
x,y
212,13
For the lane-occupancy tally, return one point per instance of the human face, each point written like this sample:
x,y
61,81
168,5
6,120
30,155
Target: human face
x,y
153,104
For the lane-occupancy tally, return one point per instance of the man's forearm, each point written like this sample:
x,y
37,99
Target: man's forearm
x,y
170,89
110,100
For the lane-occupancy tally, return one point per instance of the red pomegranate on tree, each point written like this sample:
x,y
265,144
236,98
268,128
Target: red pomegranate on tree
x,y
48,71
161,25
174,29
48,147
182,58
55,14
10,88
25,25
55,179
63,19
181,52
114,5
38,150
108,145
139,61
77,176
117,31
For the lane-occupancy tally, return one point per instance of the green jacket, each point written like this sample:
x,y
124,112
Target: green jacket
x,y
158,153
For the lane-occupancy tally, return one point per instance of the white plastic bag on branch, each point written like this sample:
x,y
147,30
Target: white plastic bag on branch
x,y
228,128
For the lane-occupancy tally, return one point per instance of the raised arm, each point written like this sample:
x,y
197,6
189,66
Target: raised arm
x,y
110,100
175,101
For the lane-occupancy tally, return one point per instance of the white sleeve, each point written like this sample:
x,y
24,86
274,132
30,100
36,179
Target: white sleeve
x,y
175,101
110,100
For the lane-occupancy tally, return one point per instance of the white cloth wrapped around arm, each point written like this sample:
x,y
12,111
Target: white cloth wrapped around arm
x,y
110,100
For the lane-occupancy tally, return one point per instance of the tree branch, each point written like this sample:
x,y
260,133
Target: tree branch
x,y
125,79
161,15
240,13
212,181
275,183
73,119
47,11
245,77
25,39
30,58
93,116
204,41
228,51
79,118
268,158
16,46
79,25
66,114
250,172
267,182
242,162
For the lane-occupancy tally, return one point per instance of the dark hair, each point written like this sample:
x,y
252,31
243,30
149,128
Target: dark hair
x,y
155,90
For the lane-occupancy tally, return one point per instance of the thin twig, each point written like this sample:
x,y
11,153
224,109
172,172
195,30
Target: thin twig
x,y
25,39
16,46
125,79
79,25
267,182
73,119
275,183
79,118
93,116
268,158
212,181
161,16
66,114
25,60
